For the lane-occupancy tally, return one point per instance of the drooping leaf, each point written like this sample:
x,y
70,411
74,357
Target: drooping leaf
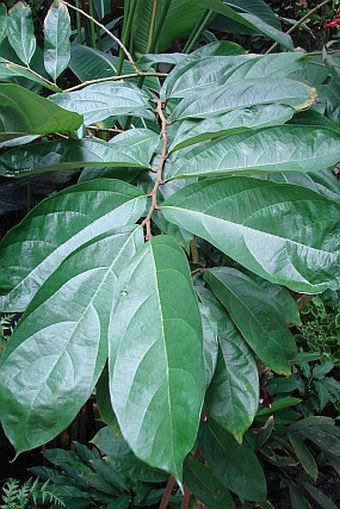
x,y
191,131
58,226
3,22
233,396
133,148
202,483
210,345
257,319
58,351
22,112
250,220
304,455
157,393
57,46
21,31
9,70
319,496
244,14
234,465
244,94
102,100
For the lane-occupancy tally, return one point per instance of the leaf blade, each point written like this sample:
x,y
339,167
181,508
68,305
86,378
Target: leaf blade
x,y
57,46
21,31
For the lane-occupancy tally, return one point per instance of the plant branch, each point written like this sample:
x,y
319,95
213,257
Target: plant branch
x,y
167,493
298,23
186,499
110,34
115,78
159,170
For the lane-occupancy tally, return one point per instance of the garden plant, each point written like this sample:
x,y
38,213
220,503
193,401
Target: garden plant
x,y
202,197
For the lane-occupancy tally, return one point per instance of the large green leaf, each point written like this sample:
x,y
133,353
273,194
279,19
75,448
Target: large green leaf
x,y
22,112
3,22
199,74
132,148
244,94
180,19
102,100
245,16
55,228
210,345
59,349
191,131
156,357
257,319
234,465
284,148
284,233
57,46
202,483
21,31
233,395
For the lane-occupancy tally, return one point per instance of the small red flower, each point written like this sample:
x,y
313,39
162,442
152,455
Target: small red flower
x,y
334,22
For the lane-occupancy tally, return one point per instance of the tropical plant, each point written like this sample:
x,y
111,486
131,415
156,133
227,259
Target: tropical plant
x,y
28,494
216,153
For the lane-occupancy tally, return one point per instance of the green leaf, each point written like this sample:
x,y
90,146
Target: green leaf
x,y
3,22
234,465
256,318
304,455
102,100
250,220
244,94
193,131
233,396
43,241
43,382
9,70
180,19
189,76
319,497
133,148
22,112
57,46
210,345
247,18
202,483
21,31
106,412
278,149
157,394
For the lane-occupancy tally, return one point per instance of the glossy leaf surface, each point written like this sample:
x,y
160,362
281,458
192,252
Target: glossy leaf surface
x,y
21,31
156,356
3,22
59,350
284,233
202,483
103,100
244,94
22,112
233,395
58,226
257,319
278,149
193,131
9,69
234,465
57,46
132,148
210,345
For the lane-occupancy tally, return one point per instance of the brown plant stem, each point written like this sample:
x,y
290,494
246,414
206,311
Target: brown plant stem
x,y
167,493
298,23
159,170
186,499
